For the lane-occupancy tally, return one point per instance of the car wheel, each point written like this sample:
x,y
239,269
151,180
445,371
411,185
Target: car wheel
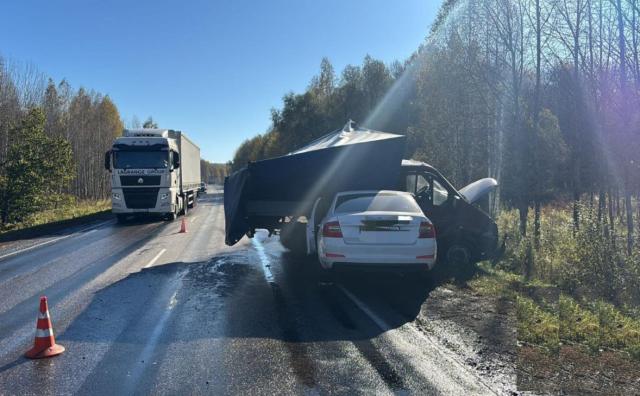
x,y
458,255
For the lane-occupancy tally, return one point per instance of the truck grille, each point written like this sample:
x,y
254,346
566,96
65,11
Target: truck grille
x,y
140,198
135,180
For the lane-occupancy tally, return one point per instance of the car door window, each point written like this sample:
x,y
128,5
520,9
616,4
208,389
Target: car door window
x,y
411,184
422,184
440,194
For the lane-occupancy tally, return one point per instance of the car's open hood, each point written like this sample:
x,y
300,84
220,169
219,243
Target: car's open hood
x,y
478,189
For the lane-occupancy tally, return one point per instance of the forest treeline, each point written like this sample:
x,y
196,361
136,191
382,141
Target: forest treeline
x,y
213,173
543,95
52,142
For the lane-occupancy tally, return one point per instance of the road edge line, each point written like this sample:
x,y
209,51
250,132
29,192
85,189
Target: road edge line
x,y
90,228
385,327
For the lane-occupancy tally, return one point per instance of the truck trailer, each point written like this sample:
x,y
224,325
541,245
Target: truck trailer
x,y
289,195
153,171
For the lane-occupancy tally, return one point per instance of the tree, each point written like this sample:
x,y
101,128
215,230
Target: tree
x,y
324,83
107,126
213,173
503,88
134,123
10,111
87,120
149,123
35,166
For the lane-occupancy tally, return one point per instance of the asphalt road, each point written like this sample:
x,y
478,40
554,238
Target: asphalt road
x,y
144,309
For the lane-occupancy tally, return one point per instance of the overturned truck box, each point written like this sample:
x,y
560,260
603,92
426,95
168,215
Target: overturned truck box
x,y
270,193
264,192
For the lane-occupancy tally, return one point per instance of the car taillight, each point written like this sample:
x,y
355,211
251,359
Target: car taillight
x,y
332,230
427,230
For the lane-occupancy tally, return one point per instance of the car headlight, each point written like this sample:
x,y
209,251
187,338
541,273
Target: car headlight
x,y
164,196
115,196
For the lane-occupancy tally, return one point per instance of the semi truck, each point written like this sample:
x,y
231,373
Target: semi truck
x,y
153,171
290,194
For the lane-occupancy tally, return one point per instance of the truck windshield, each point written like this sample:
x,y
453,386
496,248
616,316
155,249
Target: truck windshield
x,y
376,203
140,159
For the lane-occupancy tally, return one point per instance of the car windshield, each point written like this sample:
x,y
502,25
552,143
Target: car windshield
x,y
141,159
372,202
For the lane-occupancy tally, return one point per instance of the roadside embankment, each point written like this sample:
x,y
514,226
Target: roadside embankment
x,y
53,220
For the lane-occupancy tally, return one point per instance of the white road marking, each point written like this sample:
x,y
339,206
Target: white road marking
x,y
153,260
88,231
375,318
150,344
264,260
414,333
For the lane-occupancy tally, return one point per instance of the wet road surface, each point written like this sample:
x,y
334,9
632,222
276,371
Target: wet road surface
x,y
143,309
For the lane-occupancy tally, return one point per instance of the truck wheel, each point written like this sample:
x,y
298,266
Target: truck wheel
x,y
293,237
185,206
171,216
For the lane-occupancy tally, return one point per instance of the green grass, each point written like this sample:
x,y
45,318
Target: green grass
x,y
69,210
536,325
495,282
595,325
593,282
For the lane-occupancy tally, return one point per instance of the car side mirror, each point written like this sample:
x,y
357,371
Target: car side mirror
x,y
107,161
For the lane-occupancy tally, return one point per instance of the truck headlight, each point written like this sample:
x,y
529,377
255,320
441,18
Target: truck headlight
x,y
164,196
115,196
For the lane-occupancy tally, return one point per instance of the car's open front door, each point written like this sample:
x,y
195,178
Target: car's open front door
x,y
311,228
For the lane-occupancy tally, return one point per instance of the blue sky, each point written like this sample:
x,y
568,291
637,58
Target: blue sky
x,y
211,68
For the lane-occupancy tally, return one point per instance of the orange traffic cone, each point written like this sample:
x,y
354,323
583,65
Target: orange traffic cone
x,y
45,343
183,226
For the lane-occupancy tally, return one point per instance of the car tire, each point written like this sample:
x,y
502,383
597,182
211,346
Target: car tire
x,y
458,255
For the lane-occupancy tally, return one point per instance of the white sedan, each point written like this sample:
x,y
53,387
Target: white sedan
x,y
376,229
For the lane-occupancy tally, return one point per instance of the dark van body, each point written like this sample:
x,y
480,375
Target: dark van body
x,y
275,194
